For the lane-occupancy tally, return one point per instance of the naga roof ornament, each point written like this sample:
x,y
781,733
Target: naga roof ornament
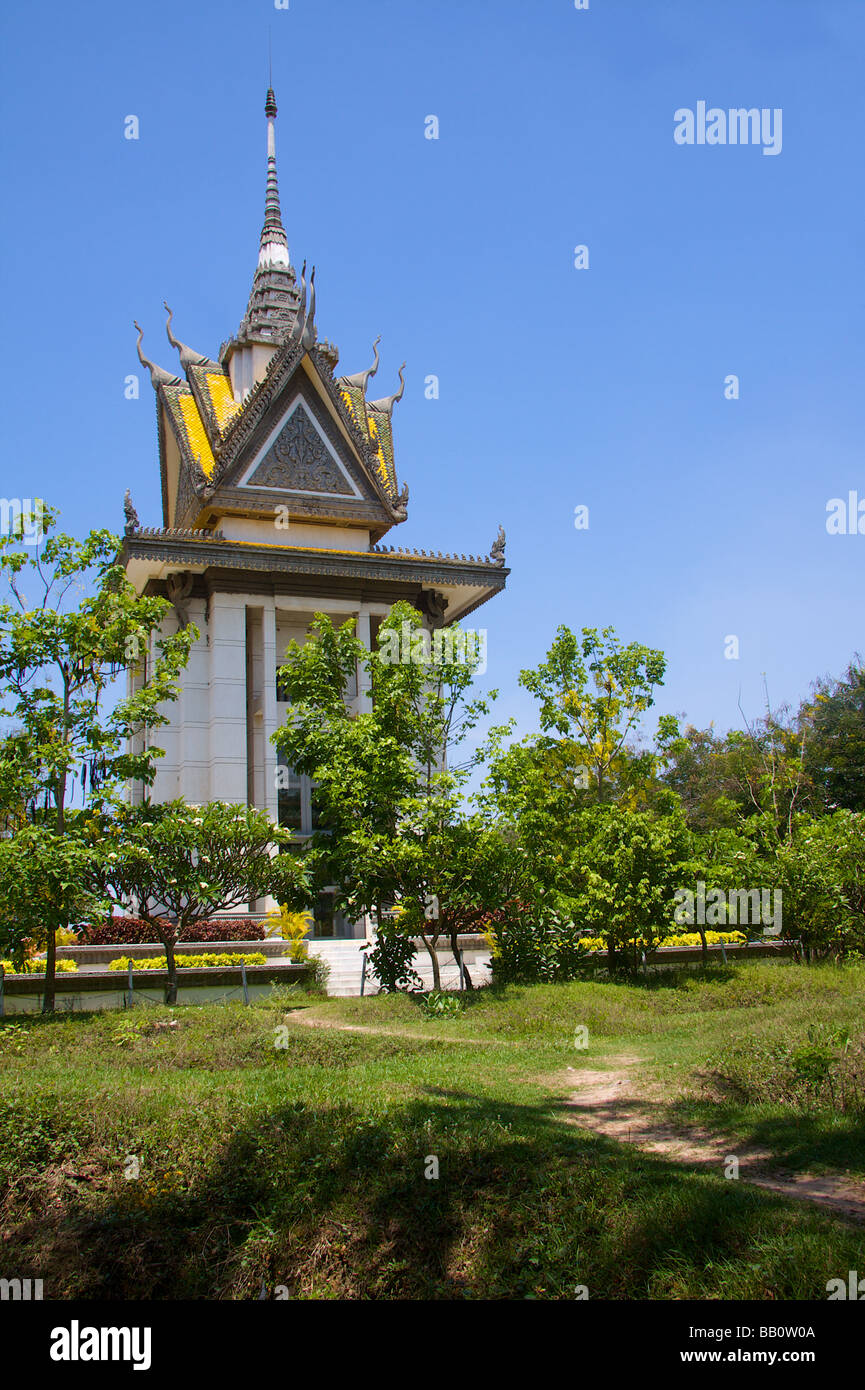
x,y
297,328
309,335
386,405
158,375
188,356
360,379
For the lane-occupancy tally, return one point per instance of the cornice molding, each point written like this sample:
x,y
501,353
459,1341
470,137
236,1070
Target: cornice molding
x,y
184,548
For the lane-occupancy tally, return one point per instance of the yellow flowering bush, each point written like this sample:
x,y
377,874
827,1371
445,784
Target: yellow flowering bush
x,y
37,967
292,927
207,958
691,938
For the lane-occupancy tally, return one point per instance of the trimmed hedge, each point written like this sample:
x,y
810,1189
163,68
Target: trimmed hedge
x,y
207,958
37,967
132,931
689,938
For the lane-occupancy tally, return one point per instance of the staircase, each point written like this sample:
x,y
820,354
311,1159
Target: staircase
x,y
345,959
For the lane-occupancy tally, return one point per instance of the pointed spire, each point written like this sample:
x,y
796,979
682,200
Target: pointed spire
x,y
273,303
274,242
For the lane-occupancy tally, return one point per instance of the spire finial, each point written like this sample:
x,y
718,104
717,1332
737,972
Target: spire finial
x,y
272,308
274,243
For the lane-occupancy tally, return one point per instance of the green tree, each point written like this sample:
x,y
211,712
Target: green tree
x,y
42,887
389,787
625,874
835,744
175,865
60,655
755,775
821,871
593,692
701,771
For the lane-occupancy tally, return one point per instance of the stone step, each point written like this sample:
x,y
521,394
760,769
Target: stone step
x,y
345,976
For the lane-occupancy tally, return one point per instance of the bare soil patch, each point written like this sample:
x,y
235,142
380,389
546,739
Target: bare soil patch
x,y
613,1102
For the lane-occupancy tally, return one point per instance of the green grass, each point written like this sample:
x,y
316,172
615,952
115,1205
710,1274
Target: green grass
x,y
303,1165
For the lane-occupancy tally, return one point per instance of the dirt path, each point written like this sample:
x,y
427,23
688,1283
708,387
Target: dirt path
x,y
612,1103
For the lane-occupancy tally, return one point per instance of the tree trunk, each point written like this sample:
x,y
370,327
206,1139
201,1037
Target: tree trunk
x,y
454,934
434,960
60,802
50,973
171,987
611,955
702,931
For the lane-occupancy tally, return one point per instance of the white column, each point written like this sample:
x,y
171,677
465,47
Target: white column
x,y
166,736
193,714
272,659
364,697
228,698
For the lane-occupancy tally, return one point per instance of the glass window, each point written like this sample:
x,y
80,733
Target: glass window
x,y
289,796
323,914
298,810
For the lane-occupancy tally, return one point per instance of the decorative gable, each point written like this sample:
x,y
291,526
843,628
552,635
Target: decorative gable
x,y
297,457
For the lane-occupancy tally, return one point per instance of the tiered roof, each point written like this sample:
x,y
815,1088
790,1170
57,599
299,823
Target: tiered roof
x,y
269,424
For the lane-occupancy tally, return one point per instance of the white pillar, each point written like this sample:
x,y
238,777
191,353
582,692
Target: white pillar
x,y
364,696
193,714
271,715
228,698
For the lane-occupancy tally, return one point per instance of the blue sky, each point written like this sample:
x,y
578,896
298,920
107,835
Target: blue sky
x,y
558,387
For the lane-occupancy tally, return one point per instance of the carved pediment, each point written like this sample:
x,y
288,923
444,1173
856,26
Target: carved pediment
x,y
299,458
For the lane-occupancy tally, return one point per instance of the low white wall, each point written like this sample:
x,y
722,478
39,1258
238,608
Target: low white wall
x,y
91,1001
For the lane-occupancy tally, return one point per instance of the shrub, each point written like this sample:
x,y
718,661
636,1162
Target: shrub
x,y
532,944
390,955
226,929
37,967
207,959
691,938
436,1004
318,976
822,870
292,927
133,931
